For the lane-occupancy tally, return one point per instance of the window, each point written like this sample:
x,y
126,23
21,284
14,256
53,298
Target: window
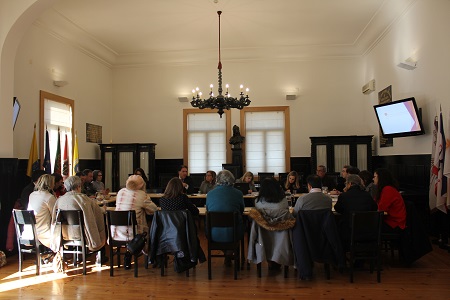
x,y
206,138
56,111
267,144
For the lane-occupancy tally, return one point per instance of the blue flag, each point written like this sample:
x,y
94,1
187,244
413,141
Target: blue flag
x,y
47,165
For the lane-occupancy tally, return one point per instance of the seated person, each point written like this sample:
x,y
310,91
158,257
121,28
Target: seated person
x,y
58,189
175,199
347,169
292,183
209,182
315,199
225,198
273,207
133,197
326,180
97,185
354,199
27,190
86,179
42,201
94,221
248,178
390,201
187,182
141,172
367,180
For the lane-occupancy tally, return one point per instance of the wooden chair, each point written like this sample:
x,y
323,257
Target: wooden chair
x,y
221,220
25,243
125,218
316,239
174,232
73,220
365,239
282,251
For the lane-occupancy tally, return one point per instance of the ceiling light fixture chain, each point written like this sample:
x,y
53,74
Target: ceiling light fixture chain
x,y
220,102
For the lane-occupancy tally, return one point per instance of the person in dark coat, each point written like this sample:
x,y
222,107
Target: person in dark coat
x,y
354,199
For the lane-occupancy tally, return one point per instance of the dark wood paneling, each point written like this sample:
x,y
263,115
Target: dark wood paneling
x,y
166,168
8,194
411,171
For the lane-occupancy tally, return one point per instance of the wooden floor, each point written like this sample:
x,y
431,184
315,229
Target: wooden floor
x,y
428,278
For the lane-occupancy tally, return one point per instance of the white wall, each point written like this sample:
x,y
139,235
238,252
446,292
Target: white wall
x,y
41,58
145,99
144,105
423,32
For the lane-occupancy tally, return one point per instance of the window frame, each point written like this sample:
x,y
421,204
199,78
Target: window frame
x,y
287,131
43,95
186,112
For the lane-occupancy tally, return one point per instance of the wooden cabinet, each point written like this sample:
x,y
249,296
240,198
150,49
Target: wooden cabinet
x,y
120,160
336,151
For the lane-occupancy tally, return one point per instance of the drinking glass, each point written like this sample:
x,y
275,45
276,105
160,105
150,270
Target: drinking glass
x,y
325,189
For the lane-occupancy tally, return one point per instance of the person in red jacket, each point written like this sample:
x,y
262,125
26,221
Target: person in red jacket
x,y
390,201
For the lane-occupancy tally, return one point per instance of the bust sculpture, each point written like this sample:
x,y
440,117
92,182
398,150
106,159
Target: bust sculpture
x,y
237,139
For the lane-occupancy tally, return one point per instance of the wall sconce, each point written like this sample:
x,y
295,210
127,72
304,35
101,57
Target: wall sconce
x,y
408,64
60,83
183,99
291,97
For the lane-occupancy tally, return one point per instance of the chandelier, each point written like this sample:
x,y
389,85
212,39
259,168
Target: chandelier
x,y
220,102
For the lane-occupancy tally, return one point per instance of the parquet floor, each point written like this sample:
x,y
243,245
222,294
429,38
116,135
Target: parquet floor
x,y
428,278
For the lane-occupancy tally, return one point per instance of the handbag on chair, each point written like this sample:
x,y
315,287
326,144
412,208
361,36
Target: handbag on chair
x,y
136,245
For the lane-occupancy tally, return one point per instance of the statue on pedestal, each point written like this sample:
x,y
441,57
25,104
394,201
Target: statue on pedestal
x,y
237,139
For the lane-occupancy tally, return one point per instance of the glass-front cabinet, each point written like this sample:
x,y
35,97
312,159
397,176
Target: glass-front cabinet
x,y
120,160
334,152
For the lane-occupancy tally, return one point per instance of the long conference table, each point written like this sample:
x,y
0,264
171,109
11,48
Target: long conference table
x,y
200,199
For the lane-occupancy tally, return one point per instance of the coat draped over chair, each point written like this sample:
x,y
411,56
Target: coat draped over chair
x,y
94,221
316,239
271,241
175,232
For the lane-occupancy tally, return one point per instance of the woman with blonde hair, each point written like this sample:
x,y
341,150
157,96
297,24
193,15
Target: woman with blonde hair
x,y
42,201
292,183
248,178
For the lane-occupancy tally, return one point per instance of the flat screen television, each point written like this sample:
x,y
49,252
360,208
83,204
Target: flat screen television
x,y
399,118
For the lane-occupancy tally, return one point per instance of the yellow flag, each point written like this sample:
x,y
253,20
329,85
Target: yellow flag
x,y
33,162
76,166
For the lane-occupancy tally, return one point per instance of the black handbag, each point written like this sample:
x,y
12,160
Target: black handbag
x,y
136,245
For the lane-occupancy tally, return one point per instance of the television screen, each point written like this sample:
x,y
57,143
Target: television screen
x,y
399,118
16,110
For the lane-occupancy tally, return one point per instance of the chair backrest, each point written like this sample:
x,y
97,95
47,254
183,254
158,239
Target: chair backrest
x,y
216,219
264,175
121,218
22,218
171,230
197,179
72,218
366,226
282,178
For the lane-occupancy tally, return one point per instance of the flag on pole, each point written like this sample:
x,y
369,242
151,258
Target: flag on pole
x,y
65,169
57,165
438,168
433,177
33,161
446,171
47,165
76,166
